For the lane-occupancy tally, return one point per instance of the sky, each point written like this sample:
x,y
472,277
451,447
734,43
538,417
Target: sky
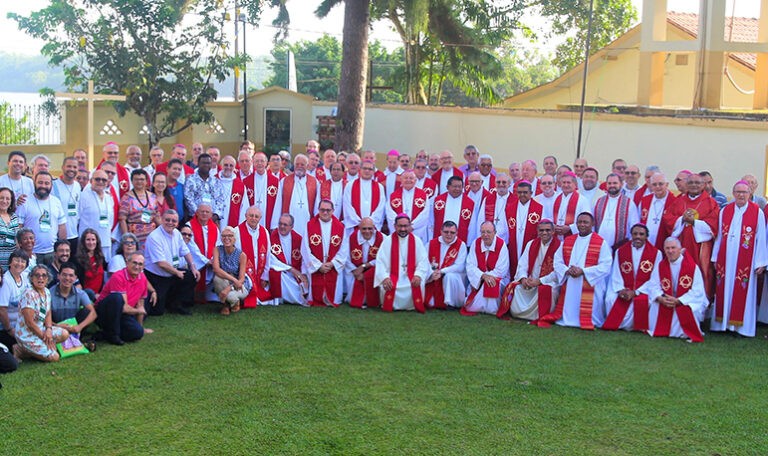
x,y
304,24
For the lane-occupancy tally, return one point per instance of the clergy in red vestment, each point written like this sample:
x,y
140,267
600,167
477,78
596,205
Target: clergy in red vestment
x,y
253,240
205,234
122,180
325,258
364,198
446,171
234,191
493,207
456,207
276,166
298,194
363,246
633,265
693,219
332,188
567,206
474,190
631,184
288,281
615,213
392,173
654,207
487,272
423,181
446,286
677,301
314,167
402,268
535,288
261,188
487,173
522,216
370,156
582,263
740,256
413,202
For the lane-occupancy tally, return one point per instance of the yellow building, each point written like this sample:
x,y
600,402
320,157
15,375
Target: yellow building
x,y
615,72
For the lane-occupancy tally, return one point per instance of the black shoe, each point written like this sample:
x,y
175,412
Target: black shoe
x,y
115,340
183,311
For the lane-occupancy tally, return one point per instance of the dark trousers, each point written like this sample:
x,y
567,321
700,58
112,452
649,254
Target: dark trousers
x,y
7,362
7,338
172,292
73,247
114,322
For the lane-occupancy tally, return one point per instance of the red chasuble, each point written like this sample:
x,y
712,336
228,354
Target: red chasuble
x,y
705,208
418,205
256,265
535,210
587,290
206,246
236,201
486,262
363,291
544,291
570,211
645,207
438,176
622,214
123,179
434,289
465,215
632,280
324,284
743,262
275,285
355,196
272,185
394,274
684,313
288,183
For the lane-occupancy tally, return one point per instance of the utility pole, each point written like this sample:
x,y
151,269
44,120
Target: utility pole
x,y
584,81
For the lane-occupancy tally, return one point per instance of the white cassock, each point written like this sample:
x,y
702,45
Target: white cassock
x,y
654,220
255,248
591,195
352,177
391,180
349,278
453,213
481,304
696,298
207,268
499,217
607,229
616,284
630,193
290,289
581,206
420,184
760,259
260,199
351,217
548,203
337,197
226,184
420,224
595,276
455,275
474,230
521,223
299,207
525,302
312,264
486,181
403,294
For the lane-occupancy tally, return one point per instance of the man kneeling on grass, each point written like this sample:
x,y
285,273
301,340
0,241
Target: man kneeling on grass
x,y
120,306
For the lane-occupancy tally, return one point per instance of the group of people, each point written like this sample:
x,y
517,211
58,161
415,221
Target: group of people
x,y
118,243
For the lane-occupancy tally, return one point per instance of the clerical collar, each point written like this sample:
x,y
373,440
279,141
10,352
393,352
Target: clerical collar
x,y
252,230
225,178
486,248
525,203
678,260
693,197
361,240
585,236
656,197
285,236
442,241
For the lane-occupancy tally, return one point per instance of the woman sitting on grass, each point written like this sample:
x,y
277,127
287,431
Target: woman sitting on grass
x,y
35,334
129,243
14,284
230,281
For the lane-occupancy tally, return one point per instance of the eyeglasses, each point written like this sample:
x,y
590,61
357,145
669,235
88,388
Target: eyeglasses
x,y
40,275
186,234
449,232
136,263
366,229
129,243
285,159
475,181
100,179
631,173
110,173
325,210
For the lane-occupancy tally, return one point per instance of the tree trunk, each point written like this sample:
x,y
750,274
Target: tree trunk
x,y
354,65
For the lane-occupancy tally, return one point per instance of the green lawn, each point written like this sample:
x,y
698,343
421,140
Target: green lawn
x,y
290,380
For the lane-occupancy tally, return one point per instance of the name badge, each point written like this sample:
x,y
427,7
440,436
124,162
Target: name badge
x,y
146,216
207,199
72,210
45,222
103,221
175,262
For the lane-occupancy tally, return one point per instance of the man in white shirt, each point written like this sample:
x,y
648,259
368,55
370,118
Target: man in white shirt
x,y
44,215
156,155
413,202
97,211
631,182
22,186
493,207
175,287
353,167
67,190
245,163
588,187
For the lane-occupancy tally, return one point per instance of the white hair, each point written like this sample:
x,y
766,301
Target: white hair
x,y
486,157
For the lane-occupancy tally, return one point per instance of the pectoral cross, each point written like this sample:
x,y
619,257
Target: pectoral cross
x,y
496,220
656,219
258,203
405,267
301,204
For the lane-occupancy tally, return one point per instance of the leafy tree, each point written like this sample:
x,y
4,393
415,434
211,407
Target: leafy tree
x,y
162,54
15,130
523,70
611,18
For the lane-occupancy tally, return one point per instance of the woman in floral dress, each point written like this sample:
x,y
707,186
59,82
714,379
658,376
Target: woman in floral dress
x,y
35,334
138,208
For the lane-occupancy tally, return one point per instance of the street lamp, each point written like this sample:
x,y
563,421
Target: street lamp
x,y
241,17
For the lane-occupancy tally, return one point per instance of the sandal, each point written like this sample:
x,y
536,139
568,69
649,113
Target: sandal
x,y
236,308
91,346
17,352
225,310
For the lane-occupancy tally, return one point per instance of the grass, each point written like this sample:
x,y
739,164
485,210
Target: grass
x,y
298,381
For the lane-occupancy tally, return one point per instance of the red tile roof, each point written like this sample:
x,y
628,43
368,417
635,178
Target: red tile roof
x,y
744,30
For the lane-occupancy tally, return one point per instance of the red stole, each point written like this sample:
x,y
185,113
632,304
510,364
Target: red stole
x,y
743,262
491,185
419,201
467,205
639,194
116,210
272,185
325,188
622,214
288,193
375,196
570,211
632,280
490,207
206,246
324,284
535,210
236,201
544,292
536,183
255,271
430,187
664,230
320,173
382,179
435,288
276,248
438,176
486,262
684,313
394,273
587,290
363,290
123,178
